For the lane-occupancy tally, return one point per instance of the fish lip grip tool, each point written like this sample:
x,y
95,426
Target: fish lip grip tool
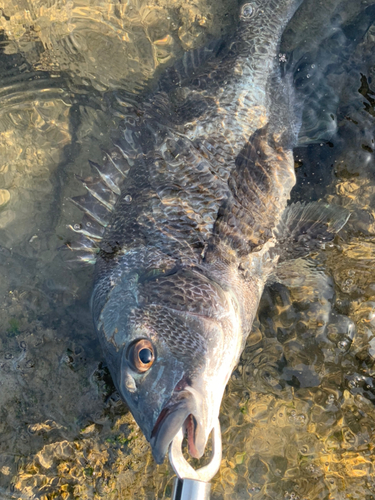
x,y
192,484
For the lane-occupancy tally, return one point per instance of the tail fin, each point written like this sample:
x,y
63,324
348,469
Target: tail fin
x,y
320,65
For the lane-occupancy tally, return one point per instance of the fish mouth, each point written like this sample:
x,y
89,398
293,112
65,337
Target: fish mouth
x,y
186,413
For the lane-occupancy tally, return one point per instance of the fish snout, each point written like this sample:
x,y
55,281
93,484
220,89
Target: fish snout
x,y
186,411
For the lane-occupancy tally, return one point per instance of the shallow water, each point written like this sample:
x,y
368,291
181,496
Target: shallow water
x,y
298,417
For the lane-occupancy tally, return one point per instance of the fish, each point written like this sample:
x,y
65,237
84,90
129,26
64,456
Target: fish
x,y
187,220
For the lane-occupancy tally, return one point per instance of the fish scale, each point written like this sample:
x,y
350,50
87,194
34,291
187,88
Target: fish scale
x,y
162,321
201,178
229,109
202,299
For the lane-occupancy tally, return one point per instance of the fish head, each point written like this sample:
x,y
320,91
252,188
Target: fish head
x,y
176,343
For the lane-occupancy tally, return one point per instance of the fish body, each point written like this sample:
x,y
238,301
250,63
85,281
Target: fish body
x,y
184,225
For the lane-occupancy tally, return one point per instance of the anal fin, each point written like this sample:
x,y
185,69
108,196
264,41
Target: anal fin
x,y
305,228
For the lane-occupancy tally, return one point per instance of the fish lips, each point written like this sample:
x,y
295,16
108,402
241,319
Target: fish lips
x,y
183,411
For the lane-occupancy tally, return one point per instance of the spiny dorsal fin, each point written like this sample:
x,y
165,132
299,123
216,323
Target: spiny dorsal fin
x,y
89,228
100,191
98,203
83,250
111,179
90,205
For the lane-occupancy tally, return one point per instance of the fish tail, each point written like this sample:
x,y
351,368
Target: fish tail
x,y
320,66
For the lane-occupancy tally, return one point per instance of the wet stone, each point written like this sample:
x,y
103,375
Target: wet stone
x,y
4,197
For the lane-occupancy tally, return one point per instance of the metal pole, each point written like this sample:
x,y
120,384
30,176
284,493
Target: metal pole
x,y
192,484
191,489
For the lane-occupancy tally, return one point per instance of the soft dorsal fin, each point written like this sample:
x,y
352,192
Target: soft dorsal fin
x,y
192,64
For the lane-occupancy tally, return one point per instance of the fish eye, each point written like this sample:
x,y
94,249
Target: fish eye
x,y
247,11
141,355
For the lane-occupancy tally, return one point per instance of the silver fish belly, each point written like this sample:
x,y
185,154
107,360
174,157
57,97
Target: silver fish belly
x,y
182,225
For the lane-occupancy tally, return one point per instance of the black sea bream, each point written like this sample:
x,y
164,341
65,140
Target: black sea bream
x,y
187,221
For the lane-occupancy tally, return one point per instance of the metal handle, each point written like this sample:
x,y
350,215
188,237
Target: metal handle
x,y
192,484
191,489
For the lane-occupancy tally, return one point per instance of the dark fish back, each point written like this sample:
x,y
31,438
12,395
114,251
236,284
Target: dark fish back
x,y
198,179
